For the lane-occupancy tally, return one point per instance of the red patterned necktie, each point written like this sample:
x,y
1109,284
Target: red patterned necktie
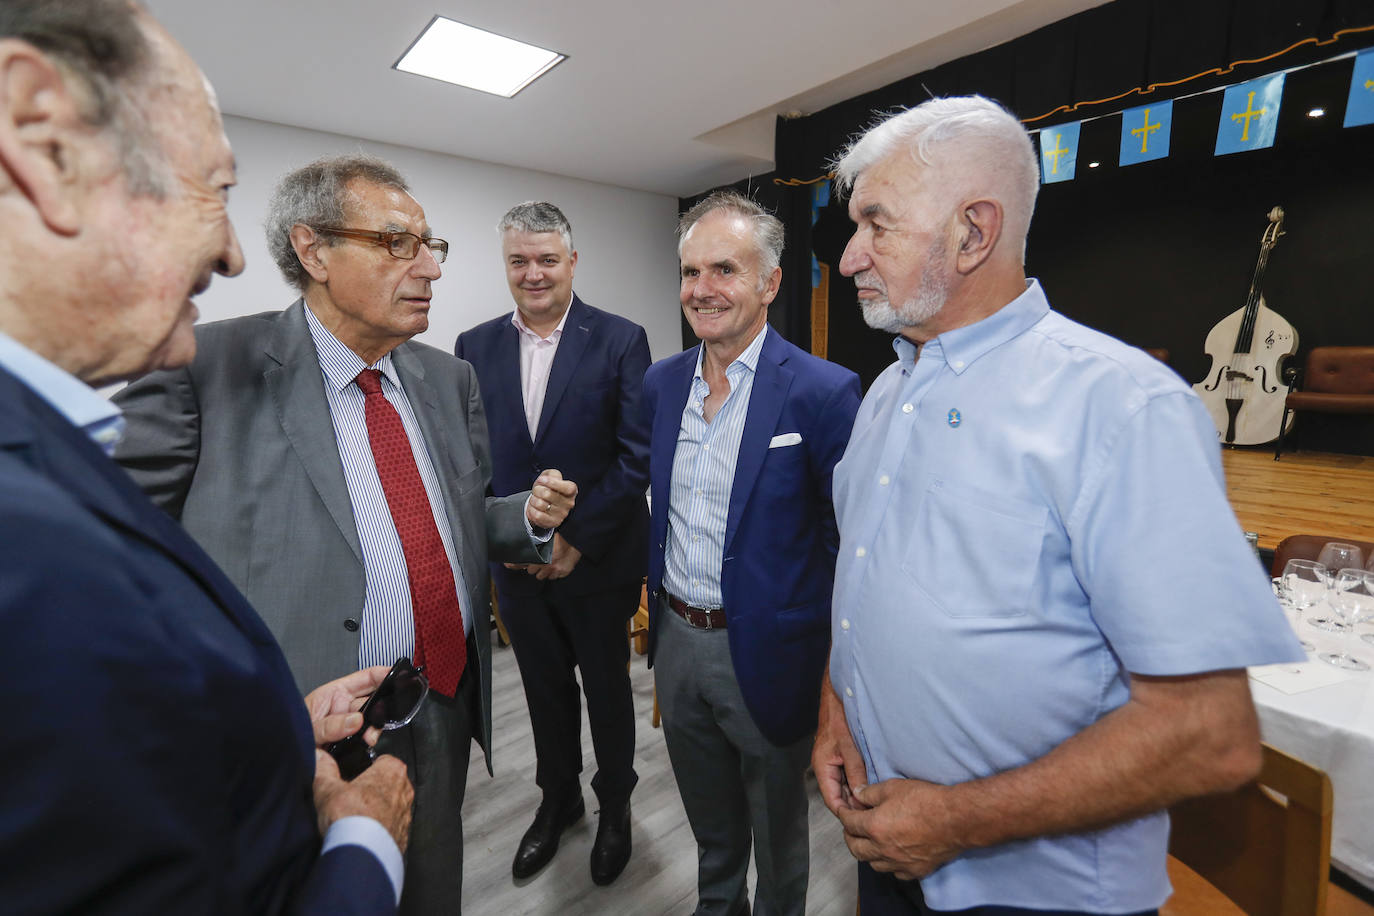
x,y
439,641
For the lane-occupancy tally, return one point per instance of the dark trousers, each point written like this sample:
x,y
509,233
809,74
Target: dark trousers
x,y
887,895
552,634
435,747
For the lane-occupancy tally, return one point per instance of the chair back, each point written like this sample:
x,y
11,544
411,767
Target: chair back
x,y
1266,846
1309,546
1339,370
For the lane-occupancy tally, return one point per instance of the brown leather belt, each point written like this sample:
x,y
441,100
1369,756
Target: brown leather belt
x,y
699,617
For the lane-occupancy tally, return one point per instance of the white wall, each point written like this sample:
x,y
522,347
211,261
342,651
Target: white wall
x,y
627,259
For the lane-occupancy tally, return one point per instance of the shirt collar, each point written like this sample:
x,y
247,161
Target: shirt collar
x,y
960,347
340,364
749,359
555,335
68,395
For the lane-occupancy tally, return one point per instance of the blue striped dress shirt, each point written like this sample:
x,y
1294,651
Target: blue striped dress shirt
x,y
703,476
388,624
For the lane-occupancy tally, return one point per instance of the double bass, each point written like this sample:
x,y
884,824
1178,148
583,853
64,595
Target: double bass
x,y
1244,389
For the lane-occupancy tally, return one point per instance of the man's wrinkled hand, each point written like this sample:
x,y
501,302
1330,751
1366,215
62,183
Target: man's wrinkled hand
x,y
551,499
334,706
382,792
565,557
902,828
835,759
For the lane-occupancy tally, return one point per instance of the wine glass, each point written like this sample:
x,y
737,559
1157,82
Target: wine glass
x,y
1336,555
1305,583
1281,592
1353,599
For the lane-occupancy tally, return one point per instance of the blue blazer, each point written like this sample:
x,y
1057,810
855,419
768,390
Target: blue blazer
x,y
778,568
592,428
161,759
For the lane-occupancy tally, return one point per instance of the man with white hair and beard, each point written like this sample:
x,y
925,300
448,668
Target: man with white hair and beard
x,y
1043,603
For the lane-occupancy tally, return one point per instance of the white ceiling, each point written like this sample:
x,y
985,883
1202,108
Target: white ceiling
x,y
673,98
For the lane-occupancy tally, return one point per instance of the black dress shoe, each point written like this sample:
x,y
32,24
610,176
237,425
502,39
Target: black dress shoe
x,y
611,850
540,842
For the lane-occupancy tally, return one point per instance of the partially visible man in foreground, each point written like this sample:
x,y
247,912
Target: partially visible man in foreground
x,y
1043,603
163,760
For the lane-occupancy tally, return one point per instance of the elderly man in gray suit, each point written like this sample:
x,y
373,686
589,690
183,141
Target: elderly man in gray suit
x,y
338,472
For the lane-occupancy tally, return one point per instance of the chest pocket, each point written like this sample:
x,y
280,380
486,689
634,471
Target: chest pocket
x,y
975,554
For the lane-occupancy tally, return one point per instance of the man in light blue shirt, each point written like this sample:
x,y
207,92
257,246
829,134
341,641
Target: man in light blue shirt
x,y
1043,603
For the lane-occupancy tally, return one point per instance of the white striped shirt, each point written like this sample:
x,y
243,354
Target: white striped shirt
x,y
388,622
703,476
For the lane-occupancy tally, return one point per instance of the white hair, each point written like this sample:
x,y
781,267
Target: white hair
x,y
969,134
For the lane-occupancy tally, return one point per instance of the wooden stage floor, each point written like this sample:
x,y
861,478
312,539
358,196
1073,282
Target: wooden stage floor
x,y
1303,493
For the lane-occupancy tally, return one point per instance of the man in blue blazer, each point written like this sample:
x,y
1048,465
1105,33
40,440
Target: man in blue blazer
x,y
562,384
746,430
163,761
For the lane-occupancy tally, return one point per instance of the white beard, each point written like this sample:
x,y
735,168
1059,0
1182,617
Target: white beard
x,y
930,297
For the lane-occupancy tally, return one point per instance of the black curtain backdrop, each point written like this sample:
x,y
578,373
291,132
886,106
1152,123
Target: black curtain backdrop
x,y
1155,253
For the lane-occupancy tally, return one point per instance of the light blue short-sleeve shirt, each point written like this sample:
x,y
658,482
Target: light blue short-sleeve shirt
x,y
1027,512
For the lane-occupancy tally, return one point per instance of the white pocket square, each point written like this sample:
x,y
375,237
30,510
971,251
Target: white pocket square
x,y
785,439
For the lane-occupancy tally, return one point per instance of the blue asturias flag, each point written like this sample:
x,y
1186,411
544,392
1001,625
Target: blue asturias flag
x,y
1145,132
1059,152
1249,114
1359,108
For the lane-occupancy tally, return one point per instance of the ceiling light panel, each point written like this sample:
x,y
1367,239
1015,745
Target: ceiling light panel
x,y
456,53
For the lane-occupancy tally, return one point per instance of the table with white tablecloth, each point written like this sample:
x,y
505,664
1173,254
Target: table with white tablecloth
x,y
1332,728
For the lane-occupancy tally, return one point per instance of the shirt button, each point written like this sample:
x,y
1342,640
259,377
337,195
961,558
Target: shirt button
x,y
849,691
958,364
706,448
884,480
696,537
844,624
907,408
861,552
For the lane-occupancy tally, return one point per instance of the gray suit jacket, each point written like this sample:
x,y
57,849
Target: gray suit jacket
x,y
240,447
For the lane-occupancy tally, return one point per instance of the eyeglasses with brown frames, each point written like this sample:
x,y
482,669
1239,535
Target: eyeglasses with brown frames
x,y
402,245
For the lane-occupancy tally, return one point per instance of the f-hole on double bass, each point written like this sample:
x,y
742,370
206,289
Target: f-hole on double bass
x,y
1244,389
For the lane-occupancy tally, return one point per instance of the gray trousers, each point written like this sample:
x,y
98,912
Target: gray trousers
x,y
735,785
435,747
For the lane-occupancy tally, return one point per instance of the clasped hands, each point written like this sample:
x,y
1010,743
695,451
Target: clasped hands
x,y
897,825
383,791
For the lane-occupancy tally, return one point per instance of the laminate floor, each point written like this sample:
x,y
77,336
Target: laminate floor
x,y
661,876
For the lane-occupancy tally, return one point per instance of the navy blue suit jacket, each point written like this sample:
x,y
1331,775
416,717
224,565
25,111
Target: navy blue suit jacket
x,y
160,757
780,536
592,429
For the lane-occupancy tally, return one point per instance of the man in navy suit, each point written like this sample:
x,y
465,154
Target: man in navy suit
x,y
164,762
562,384
746,430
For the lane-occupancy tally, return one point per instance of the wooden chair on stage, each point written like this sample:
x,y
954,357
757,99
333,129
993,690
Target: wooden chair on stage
x,y
1334,380
1266,847
1308,547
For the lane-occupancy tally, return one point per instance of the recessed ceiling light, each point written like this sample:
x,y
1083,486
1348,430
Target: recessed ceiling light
x,y
456,53
1316,112
1093,165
